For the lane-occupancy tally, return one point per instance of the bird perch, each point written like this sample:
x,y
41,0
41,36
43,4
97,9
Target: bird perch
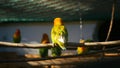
x,y
49,45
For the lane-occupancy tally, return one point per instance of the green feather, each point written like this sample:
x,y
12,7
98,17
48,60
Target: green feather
x,y
17,39
57,33
43,52
56,51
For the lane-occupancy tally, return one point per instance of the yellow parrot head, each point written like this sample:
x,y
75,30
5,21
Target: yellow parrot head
x,y
58,21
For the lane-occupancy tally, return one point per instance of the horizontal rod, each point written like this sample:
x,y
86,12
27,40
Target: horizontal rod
x,y
49,45
44,61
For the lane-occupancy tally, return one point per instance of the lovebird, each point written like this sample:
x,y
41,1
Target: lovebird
x,y
82,50
59,37
44,51
17,36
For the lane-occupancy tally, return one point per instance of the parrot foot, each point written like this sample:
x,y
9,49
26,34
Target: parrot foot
x,y
55,44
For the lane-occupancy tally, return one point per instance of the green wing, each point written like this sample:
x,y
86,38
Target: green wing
x,y
17,39
43,52
59,36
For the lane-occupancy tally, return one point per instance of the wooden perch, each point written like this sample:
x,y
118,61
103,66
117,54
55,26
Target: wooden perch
x,y
117,42
60,60
25,45
71,44
57,57
57,61
66,61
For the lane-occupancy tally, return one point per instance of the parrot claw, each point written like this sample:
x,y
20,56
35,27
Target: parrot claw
x,y
54,44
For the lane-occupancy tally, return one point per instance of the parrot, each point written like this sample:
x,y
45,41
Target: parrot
x,y
44,51
59,36
82,50
17,36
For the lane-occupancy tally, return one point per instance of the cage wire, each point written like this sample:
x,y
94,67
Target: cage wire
x,y
80,21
